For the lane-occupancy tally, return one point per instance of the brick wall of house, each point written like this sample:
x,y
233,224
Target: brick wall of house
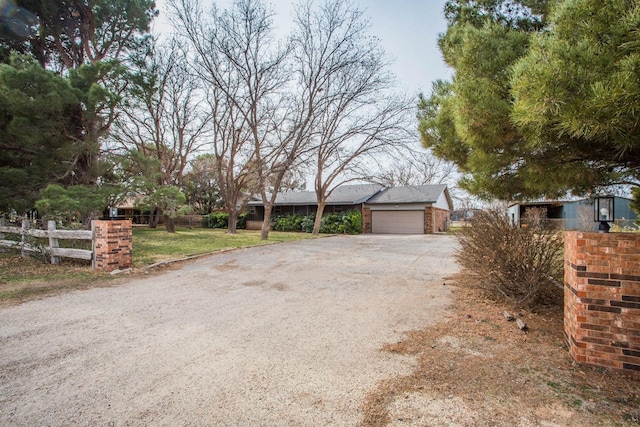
x,y
442,220
429,219
366,220
112,245
602,299
435,220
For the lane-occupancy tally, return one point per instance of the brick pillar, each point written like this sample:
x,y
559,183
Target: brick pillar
x,y
112,245
429,220
366,220
602,299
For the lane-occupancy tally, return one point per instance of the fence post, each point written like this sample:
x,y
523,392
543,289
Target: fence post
x,y
1,233
53,242
23,236
93,244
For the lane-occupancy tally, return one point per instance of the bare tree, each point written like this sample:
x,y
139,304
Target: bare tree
x,y
416,168
201,184
253,98
357,117
162,120
234,167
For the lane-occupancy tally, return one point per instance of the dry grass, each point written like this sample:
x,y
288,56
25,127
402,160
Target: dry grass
x,y
475,368
24,278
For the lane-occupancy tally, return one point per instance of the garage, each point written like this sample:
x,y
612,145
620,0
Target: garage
x,y
397,222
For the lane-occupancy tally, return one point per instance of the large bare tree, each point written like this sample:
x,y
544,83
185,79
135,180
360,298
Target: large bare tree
x,y
234,161
234,59
163,123
358,117
255,96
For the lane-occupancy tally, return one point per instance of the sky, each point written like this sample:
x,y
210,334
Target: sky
x,y
407,29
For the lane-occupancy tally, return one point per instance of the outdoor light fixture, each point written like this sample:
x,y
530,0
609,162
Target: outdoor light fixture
x,y
603,213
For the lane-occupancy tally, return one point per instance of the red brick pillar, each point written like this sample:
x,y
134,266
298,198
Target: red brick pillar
x,y
366,220
429,220
602,299
112,245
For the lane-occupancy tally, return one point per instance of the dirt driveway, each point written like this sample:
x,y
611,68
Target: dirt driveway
x,y
286,334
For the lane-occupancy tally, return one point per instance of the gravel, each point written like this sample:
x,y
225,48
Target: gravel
x,y
286,334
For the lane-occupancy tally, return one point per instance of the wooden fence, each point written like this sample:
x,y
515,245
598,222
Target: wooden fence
x,y
27,234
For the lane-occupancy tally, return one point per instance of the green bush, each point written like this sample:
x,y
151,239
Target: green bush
x,y
221,220
242,220
288,223
349,222
337,223
307,223
216,220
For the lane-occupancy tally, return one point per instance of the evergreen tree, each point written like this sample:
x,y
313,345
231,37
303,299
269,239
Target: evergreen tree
x,y
577,94
545,100
468,121
37,111
86,43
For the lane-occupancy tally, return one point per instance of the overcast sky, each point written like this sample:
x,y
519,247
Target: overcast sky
x,y
408,30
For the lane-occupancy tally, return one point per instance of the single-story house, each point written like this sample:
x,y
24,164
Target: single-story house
x,y
421,209
344,198
575,214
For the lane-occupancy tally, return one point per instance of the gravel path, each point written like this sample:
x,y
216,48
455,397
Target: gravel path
x,y
284,334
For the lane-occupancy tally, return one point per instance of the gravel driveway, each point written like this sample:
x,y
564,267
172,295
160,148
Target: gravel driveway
x,y
286,334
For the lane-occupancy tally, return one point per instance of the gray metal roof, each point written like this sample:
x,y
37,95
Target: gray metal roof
x,y
343,195
409,194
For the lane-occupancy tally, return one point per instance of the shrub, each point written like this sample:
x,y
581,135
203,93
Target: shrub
x,y
307,223
242,220
221,220
216,220
522,265
354,220
337,223
349,222
287,223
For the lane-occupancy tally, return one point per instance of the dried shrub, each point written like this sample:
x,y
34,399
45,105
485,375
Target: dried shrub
x,y
521,264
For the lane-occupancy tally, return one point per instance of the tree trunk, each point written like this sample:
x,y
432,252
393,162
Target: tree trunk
x,y
266,224
170,224
154,218
233,221
318,221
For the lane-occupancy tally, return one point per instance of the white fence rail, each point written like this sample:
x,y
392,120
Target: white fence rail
x,y
26,245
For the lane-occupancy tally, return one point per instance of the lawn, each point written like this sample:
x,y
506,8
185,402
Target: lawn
x,y
154,245
26,278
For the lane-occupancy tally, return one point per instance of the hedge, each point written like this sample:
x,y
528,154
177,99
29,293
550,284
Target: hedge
x,y
221,220
349,222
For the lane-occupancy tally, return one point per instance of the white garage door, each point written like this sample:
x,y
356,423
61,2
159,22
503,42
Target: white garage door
x,y
397,222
